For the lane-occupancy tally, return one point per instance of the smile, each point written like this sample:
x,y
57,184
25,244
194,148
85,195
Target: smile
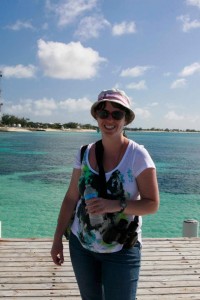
x,y
109,127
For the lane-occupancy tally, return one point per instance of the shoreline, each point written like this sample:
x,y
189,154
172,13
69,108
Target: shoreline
x,y
17,129
20,129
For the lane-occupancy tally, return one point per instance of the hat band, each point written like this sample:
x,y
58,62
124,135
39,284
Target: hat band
x,y
114,96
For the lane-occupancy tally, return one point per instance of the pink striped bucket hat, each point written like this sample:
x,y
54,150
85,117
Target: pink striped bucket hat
x,y
116,96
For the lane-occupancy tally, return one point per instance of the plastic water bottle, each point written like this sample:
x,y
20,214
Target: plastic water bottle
x,y
91,193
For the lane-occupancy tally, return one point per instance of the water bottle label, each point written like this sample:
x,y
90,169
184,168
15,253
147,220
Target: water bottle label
x,y
90,196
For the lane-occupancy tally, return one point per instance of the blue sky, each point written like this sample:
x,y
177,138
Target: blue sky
x,y
57,55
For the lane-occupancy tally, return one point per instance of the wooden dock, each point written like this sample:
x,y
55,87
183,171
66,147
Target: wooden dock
x,y
170,270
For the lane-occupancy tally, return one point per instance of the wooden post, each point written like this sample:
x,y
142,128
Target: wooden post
x,y
190,228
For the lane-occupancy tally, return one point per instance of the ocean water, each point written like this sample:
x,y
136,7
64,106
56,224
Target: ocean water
x,y
35,170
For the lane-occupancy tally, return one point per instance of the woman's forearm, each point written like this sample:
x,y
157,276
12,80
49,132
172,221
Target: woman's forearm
x,y
68,205
141,207
66,212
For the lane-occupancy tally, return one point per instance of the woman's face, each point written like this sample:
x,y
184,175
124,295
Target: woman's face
x,y
110,125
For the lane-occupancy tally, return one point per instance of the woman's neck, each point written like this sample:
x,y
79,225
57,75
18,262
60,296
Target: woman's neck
x,y
114,150
113,143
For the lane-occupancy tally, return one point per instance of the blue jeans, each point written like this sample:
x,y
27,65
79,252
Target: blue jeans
x,y
105,276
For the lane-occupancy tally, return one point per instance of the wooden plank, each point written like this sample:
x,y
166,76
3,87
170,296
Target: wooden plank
x,y
65,283
37,279
52,297
172,290
144,280
169,297
38,293
41,286
180,269
146,260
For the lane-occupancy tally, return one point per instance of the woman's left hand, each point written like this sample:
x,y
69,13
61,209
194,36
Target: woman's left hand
x,y
98,206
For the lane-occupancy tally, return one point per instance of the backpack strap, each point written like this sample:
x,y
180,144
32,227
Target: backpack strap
x,y
68,229
99,150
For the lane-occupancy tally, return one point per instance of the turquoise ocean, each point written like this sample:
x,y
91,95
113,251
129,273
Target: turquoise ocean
x,y
35,170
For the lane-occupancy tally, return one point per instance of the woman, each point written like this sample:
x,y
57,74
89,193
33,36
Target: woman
x,y
105,266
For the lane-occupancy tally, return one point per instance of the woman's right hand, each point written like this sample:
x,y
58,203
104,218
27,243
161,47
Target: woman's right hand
x,y
57,252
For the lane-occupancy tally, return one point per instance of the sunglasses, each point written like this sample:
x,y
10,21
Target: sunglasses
x,y
116,114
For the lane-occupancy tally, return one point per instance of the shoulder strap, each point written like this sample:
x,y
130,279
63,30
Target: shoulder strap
x,y
102,178
83,148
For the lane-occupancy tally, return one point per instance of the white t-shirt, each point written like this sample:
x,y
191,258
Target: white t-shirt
x,y
120,182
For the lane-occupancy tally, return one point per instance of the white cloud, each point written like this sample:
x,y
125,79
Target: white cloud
x,y
17,109
190,70
141,85
135,72
173,116
90,27
48,110
167,74
142,112
44,107
20,25
188,24
179,83
154,104
68,10
68,61
193,2
19,71
28,107
124,28
187,118
73,105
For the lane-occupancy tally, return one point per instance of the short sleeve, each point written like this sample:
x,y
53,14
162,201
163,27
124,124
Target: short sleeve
x,y
77,160
142,160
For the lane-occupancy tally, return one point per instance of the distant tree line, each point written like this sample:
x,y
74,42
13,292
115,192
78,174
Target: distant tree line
x,y
10,120
159,129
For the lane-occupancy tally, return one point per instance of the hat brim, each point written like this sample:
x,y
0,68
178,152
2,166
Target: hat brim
x,y
129,118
